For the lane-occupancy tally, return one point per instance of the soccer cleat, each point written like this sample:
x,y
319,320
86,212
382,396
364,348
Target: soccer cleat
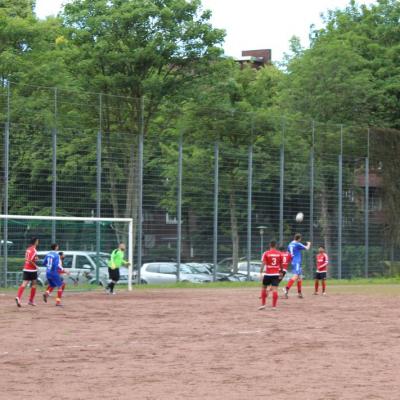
x,y
300,295
31,303
285,292
316,293
274,308
323,294
59,305
18,301
45,296
262,308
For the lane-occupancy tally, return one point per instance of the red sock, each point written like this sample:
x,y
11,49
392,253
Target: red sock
x,y
274,298
316,285
63,287
20,291
323,285
264,295
290,283
32,296
49,289
298,286
59,295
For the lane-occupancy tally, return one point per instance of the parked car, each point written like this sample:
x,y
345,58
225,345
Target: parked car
x,y
82,267
255,267
166,272
201,268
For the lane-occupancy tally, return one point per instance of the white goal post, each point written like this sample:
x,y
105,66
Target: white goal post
x,y
128,221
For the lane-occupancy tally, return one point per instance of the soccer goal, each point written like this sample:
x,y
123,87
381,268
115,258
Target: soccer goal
x,y
87,242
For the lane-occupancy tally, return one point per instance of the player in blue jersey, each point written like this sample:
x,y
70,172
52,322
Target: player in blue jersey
x,y
54,269
295,249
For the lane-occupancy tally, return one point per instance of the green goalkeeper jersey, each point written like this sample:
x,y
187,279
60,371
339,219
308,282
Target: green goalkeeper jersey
x,y
117,259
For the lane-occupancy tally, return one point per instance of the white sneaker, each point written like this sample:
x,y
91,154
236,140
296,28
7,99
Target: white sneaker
x,y
262,307
323,294
285,292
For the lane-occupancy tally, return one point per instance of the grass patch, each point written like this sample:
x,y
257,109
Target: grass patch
x,y
230,285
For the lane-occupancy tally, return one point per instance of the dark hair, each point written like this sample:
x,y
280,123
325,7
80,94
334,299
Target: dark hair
x,y
321,246
272,243
33,240
282,248
54,246
60,253
297,236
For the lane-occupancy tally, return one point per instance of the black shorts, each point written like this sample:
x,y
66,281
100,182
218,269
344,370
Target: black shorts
x,y
113,274
320,275
29,276
269,280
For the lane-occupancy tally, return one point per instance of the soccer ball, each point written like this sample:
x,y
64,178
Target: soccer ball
x,y
299,217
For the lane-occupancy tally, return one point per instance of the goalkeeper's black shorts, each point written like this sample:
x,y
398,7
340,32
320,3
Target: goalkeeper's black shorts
x,y
113,274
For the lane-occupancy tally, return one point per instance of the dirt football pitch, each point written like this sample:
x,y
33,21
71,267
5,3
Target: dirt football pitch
x,y
203,344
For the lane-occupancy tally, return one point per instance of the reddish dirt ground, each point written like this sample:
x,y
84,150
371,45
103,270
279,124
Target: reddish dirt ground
x,y
202,344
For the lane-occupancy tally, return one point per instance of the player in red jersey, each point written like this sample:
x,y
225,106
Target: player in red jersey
x,y
322,269
269,273
286,260
30,273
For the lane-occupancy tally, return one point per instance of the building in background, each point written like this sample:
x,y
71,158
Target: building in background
x,y
256,58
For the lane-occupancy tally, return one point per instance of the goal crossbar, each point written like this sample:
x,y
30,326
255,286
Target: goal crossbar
x,y
129,221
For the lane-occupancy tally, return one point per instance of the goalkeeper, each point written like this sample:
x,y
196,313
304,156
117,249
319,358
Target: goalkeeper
x,y
116,261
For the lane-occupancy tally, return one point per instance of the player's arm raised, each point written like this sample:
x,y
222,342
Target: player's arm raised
x,y
308,246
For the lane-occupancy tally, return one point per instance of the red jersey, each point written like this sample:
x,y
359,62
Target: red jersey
x,y
30,259
286,259
272,260
322,262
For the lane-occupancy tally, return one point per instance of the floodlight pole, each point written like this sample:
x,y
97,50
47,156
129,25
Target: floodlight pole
x,y
366,208
216,189
281,183
54,170
340,206
6,182
140,195
98,186
179,209
312,175
249,198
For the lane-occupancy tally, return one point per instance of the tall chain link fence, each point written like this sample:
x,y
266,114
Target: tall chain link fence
x,y
201,185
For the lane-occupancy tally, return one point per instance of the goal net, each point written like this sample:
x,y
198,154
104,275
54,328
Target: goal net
x,y
86,243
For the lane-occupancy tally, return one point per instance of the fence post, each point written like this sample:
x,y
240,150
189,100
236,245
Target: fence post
x,y
340,206
312,175
140,192
366,209
6,182
98,186
215,229
179,209
54,170
281,183
249,199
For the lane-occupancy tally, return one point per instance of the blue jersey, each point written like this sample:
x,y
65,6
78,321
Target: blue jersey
x,y
52,262
295,249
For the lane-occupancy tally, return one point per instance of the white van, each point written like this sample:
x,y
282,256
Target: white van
x,y
82,267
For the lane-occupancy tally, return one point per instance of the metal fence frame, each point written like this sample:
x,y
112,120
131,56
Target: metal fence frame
x,y
282,183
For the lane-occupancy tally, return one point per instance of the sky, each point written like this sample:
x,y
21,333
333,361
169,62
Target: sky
x,y
252,24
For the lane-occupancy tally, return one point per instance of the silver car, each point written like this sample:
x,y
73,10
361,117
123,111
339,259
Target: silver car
x,y
255,267
82,267
165,272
